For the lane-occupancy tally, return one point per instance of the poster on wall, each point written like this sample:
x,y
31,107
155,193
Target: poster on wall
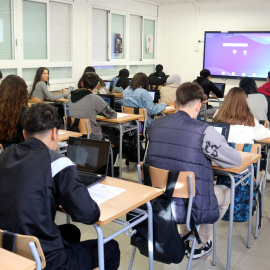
x,y
117,43
149,43
1,31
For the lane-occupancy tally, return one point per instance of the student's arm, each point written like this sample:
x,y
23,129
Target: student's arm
x,y
74,196
260,132
47,93
150,106
102,108
216,91
215,147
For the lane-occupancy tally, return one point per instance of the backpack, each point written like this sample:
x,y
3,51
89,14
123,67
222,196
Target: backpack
x,y
168,245
75,126
241,200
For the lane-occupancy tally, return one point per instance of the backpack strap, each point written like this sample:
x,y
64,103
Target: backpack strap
x,y
172,179
9,240
76,122
147,179
68,122
257,189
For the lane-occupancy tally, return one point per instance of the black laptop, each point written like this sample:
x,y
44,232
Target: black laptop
x,y
91,158
221,87
222,128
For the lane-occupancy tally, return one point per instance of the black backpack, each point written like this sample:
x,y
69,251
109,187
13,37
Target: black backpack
x,y
75,126
169,247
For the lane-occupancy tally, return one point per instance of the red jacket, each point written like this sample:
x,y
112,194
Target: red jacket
x,y
265,89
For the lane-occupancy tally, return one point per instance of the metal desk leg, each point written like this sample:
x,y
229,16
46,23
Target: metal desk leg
x,y
230,222
100,247
120,151
138,140
250,205
150,236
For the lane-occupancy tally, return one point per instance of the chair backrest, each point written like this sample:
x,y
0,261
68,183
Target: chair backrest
x,y
35,100
159,178
155,87
255,148
22,247
84,126
1,148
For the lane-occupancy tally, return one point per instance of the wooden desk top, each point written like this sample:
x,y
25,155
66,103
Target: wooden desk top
x,y
266,140
118,95
134,196
169,109
63,100
120,120
12,261
65,134
247,160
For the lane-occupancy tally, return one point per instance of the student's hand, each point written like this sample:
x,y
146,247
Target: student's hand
x,y
64,91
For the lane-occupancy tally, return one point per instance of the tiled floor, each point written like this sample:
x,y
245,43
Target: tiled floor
x,y
257,257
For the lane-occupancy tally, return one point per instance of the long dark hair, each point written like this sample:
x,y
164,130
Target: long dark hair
x,y
123,82
37,78
13,95
140,80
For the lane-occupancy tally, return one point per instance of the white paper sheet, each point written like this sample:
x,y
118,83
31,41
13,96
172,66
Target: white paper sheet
x,y
61,132
119,115
101,193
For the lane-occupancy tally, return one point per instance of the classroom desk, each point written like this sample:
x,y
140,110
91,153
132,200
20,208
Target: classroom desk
x,y
63,135
169,109
62,100
118,95
247,160
12,261
121,122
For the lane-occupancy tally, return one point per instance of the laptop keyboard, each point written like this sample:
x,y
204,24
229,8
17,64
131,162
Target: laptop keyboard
x,y
90,179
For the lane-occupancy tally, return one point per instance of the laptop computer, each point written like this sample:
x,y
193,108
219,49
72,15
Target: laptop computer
x,y
91,158
220,86
222,128
109,99
109,85
154,94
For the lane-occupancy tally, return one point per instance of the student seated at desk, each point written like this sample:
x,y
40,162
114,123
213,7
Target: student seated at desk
x,y
236,112
137,96
258,103
179,142
102,89
167,93
159,77
13,102
122,73
40,86
34,181
84,104
122,84
265,88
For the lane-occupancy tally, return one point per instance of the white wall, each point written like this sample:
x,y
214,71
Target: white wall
x,y
177,31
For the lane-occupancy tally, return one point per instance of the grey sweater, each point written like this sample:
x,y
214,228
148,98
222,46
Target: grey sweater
x,y
41,91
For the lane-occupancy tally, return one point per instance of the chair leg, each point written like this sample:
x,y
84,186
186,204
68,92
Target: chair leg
x,y
112,165
132,258
263,190
214,243
193,239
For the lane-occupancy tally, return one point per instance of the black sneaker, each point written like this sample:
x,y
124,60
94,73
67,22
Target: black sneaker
x,y
198,253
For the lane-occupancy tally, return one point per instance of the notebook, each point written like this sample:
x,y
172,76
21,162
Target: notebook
x,y
91,158
222,128
220,86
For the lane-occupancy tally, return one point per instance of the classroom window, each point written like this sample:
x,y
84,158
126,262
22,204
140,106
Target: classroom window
x,y
141,68
34,30
6,30
60,31
149,39
135,38
108,70
99,35
118,36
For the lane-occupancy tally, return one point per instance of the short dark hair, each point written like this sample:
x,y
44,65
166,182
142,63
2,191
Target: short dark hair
x,y
188,91
123,72
123,82
248,85
89,80
139,80
1,75
159,68
39,118
205,73
89,69
267,76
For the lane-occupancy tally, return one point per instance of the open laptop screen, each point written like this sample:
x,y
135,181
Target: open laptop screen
x,y
154,94
89,155
109,99
220,86
222,128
